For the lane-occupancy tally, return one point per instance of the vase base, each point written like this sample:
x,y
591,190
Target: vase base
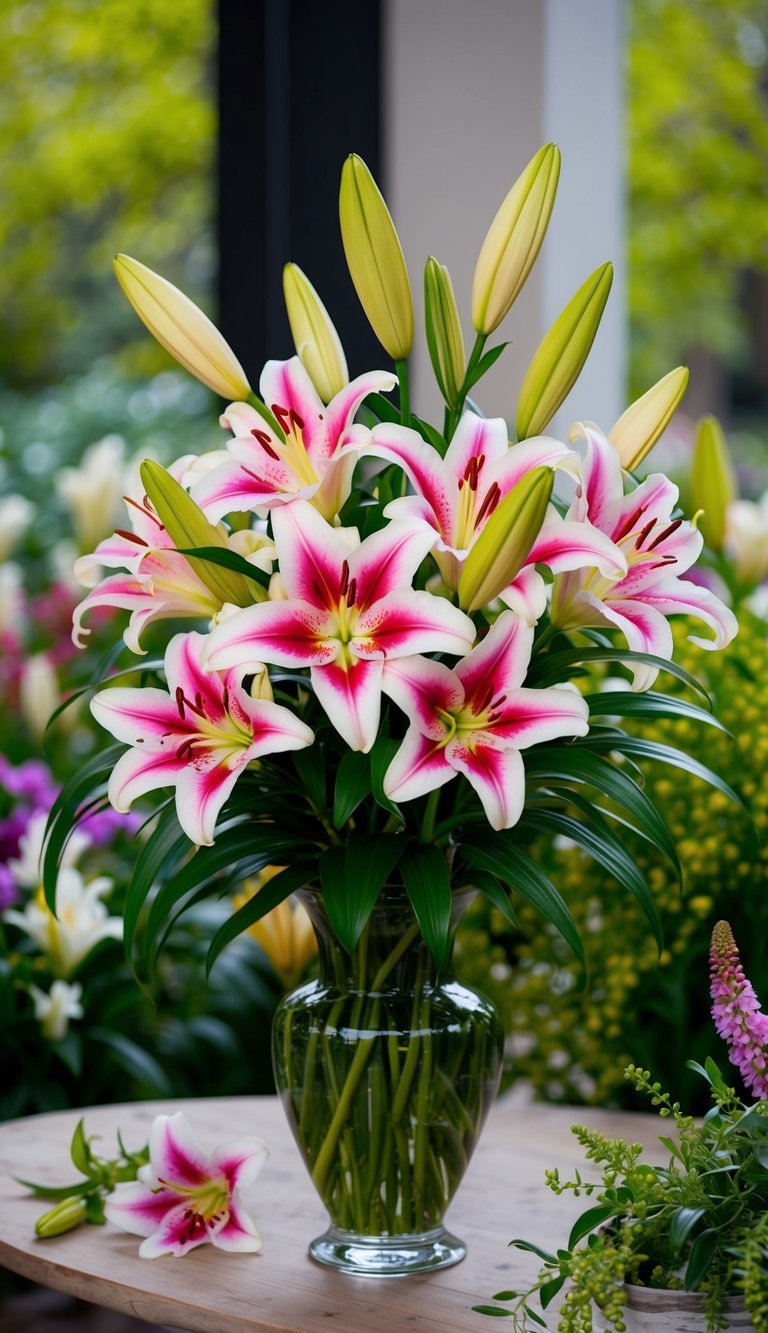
x,y
387,1256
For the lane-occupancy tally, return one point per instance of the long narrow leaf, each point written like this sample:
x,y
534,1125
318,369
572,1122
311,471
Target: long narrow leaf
x,y
425,876
558,667
352,878
161,853
90,780
667,754
270,896
625,703
503,859
353,783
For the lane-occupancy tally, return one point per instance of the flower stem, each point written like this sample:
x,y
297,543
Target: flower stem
x,y
405,407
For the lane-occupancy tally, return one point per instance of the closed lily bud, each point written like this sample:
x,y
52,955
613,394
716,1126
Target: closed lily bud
x,y
503,545
39,693
713,483
188,528
560,356
182,329
65,1216
514,239
316,340
444,337
375,258
638,429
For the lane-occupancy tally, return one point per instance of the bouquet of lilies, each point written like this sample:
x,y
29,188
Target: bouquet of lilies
x,y
378,618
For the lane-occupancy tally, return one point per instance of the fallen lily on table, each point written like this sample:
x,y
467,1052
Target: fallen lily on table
x,y
170,1192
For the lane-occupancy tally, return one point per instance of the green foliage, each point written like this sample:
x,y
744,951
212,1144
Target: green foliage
x,y
106,143
698,208
697,1222
572,1043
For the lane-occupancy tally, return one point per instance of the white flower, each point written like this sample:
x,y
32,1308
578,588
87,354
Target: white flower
x,y
11,597
26,869
82,920
54,1010
39,693
746,538
15,514
93,491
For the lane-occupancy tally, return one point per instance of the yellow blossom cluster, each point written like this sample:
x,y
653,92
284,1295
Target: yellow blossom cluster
x,y
572,1040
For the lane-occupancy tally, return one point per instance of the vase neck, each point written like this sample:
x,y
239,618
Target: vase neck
x,y
391,953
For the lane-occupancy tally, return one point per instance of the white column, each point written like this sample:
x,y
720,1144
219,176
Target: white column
x,y
471,89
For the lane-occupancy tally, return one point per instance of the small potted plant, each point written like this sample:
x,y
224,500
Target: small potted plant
x,y
681,1247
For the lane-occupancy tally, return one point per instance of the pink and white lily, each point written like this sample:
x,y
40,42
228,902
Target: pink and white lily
x,y
348,607
314,461
198,737
186,1197
475,719
155,582
658,548
456,495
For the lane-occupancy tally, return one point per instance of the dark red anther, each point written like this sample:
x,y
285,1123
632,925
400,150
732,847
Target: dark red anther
x,y
296,419
666,533
282,416
344,580
199,703
264,440
144,509
130,537
225,699
352,592
482,702
629,523
641,536
185,747
489,503
461,482
180,700
498,702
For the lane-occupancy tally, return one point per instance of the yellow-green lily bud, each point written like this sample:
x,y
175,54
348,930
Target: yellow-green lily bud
x,y
182,328
375,258
188,528
638,429
65,1216
504,543
713,482
315,338
444,337
514,239
560,356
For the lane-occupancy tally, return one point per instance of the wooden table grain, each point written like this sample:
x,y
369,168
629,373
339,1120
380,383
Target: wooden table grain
x,y
503,1195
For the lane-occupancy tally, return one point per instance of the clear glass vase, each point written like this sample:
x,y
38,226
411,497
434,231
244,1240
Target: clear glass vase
x,y
387,1072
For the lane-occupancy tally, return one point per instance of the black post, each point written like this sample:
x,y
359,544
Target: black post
x,y
299,89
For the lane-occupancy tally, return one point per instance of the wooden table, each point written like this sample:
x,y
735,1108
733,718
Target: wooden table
x,y
502,1196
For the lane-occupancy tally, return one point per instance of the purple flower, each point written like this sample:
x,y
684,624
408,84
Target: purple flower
x,y
102,827
8,891
736,1010
30,781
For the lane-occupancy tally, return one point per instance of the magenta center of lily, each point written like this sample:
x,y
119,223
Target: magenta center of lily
x,y
639,541
478,714
292,452
222,733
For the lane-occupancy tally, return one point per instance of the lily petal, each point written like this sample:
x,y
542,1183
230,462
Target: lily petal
x,y
498,777
283,633
530,717
412,622
351,696
420,766
422,465
421,688
137,1208
499,662
526,595
175,1154
679,597
312,555
239,1233
646,631
563,545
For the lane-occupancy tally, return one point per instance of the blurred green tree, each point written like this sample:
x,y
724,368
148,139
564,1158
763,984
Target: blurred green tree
x,y
698,130
107,132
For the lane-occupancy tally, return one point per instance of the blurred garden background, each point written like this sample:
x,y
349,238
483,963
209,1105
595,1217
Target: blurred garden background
x,y
109,118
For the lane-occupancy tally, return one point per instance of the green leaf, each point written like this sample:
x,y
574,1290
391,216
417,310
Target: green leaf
x,y
425,875
54,1193
624,703
667,754
161,853
352,878
383,752
137,1062
556,668
575,763
382,407
503,859
701,1255
681,1224
353,784
484,365
492,1310
310,766
101,678
268,897
490,886
80,1152
537,1319
505,1295
228,559
89,779
606,848
588,1221
431,435
549,1290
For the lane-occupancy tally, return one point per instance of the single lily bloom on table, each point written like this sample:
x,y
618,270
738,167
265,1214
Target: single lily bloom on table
x,y
198,736
315,459
185,1197
475,719
456,495
736,1010
349,605
657,547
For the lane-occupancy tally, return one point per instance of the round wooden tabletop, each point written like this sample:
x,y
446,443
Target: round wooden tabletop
x,y
503,1195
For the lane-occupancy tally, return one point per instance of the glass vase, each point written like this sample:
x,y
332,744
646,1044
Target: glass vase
x,y
386,1071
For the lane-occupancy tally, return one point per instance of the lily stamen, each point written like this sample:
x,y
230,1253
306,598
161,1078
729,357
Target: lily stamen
x,y
666,533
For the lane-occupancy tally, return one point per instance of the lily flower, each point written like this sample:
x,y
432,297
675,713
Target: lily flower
x,y
82,920
54,1008
347,608
657,548
456,495
185,1197
314,458
475,719
198,736
93,490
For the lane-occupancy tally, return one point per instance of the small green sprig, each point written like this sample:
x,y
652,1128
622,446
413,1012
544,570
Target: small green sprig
x,y
84,1201
699,1223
